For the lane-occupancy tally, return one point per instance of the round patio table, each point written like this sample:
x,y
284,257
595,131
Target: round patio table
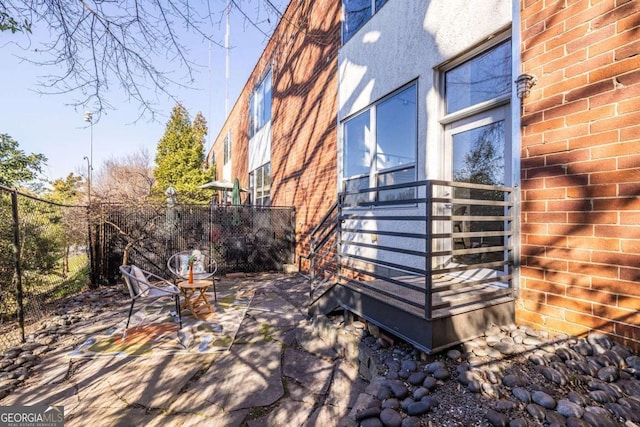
x,y
195,297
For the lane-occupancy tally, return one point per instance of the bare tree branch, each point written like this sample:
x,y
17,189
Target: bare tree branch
x,y
98,42
128,179
139,46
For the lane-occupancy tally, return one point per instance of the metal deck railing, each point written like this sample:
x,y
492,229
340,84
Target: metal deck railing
x,y
432,247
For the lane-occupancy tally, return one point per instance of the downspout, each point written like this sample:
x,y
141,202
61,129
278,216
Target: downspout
x,y
516,143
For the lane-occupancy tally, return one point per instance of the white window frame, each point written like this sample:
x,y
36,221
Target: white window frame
x,y
454,63
374,173
254,186
484,118
478,114
256,108
474,116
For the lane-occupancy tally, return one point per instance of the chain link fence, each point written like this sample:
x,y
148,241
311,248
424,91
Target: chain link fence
x,y
238,238
48,254
43,260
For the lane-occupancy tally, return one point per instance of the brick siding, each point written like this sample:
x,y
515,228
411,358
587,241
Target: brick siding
x,y
580,219
303,54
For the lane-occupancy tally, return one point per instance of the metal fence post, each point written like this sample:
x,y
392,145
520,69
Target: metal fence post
x,y
17,274
428,298
92,252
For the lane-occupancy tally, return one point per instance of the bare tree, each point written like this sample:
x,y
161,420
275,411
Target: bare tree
x,y
126,204
99,42
126,180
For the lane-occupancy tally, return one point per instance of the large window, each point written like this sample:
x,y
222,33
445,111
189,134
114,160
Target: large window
x,y
356,13
260,106
227,148
482,78
379,145
260,185
476,92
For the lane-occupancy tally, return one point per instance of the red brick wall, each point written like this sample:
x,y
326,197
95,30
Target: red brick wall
x,y
303,55
580,221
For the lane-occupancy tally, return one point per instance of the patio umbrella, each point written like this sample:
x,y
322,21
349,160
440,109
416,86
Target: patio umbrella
x,y
235,193
235,201
221,185
218,185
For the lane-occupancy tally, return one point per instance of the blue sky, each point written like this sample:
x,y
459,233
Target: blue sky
x,y
47,124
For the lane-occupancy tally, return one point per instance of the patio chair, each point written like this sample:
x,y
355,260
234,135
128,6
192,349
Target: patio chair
x,y
204,267
145,285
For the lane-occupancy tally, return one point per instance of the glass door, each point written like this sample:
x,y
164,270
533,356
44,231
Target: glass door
x,y
477,152
478,148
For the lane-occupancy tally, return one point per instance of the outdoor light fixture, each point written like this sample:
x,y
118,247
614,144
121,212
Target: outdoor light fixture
x,y
524,83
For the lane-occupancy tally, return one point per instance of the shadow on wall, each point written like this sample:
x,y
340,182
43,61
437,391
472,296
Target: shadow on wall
x,y
571,280
304,121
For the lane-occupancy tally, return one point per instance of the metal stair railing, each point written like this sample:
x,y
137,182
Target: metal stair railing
x,y
323,253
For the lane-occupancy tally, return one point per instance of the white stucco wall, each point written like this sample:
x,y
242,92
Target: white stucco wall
x,y
260,147
226,172
403,42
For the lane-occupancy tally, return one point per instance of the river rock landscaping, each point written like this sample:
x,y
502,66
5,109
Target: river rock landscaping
x,y
512,376
72,320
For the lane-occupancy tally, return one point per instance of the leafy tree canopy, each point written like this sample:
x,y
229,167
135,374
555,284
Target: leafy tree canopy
x,y
17,167
68,190
8,23
180,157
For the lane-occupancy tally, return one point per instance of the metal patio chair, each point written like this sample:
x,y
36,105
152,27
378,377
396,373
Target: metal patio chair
x,y
204,267
145,285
